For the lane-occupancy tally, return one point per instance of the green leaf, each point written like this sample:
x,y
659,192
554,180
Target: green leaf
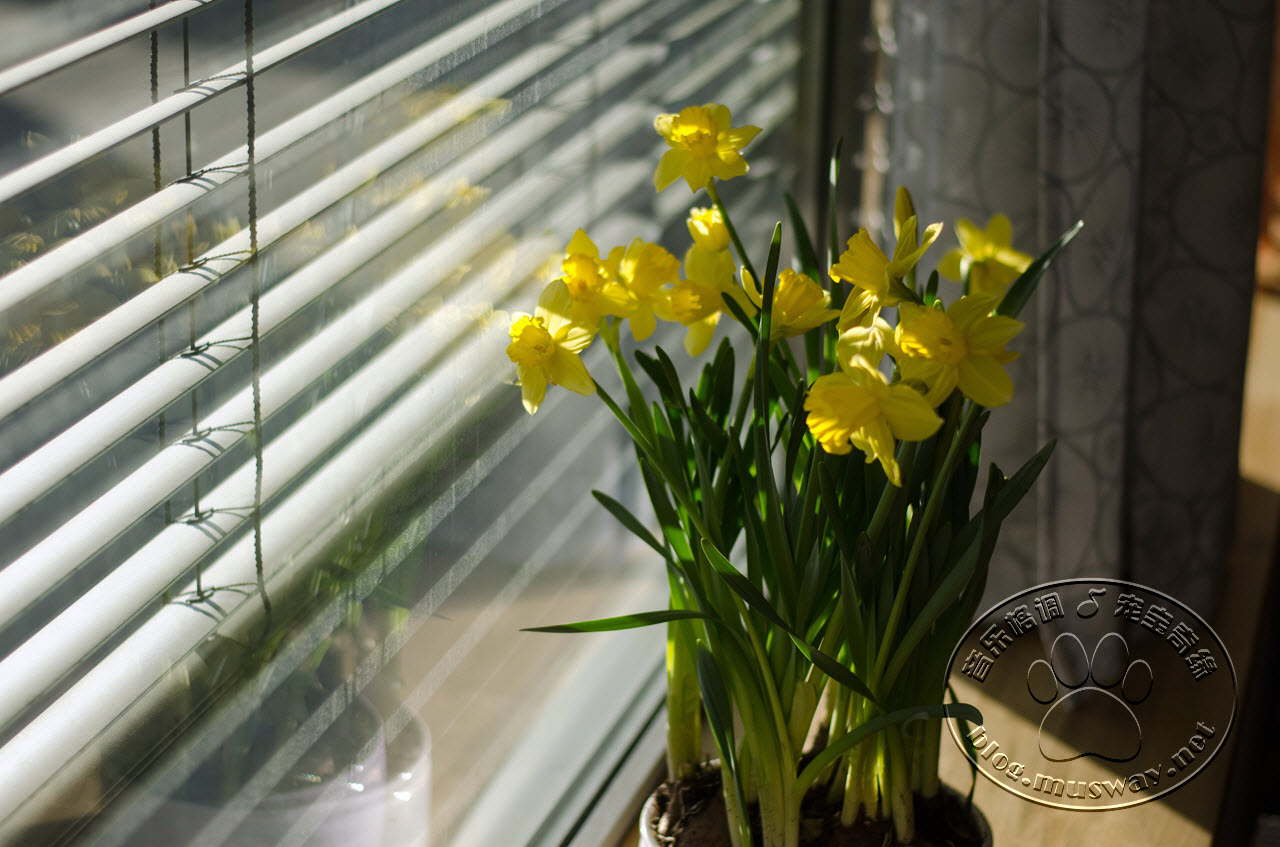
x,y
757,601
715,699
855,736
948,591
705,427
630,521
767,287
1024,286
931,289
720,402
1017,486
629,425
833,203
672,377
634,621
735,309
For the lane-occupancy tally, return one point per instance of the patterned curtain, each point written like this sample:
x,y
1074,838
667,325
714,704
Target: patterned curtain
x,y
1147,121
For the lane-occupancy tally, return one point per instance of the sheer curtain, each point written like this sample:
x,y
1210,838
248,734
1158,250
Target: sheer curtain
x,y
1147,121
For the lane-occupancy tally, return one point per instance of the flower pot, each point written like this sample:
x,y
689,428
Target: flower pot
x,y
650,813
407,790
349,810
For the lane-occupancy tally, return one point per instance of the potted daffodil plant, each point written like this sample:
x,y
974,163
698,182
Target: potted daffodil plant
x,y
812,488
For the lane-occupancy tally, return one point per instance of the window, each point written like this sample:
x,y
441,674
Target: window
x,y
268,503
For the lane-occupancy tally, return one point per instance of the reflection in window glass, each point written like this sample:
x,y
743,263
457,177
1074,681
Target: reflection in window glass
x,y
271,521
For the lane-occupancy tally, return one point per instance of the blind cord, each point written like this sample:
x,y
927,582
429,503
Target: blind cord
x,y
255,343
158,263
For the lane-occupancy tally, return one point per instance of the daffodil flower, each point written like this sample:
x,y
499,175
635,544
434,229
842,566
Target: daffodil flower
x,y
697,301
593,284
872,273
646,269
545,348
857,407
962,347
707,229
799,303
703,145
985,256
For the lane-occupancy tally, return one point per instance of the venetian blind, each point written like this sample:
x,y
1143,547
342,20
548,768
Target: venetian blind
x,y
252,377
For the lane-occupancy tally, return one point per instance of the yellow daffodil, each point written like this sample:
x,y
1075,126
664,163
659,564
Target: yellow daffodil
x,y
799,303
872,273
857,407
646,269
707,228
593,284
985,255
703,145
697,301
962,347
545,348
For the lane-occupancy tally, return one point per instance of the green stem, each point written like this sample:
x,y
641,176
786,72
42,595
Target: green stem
x,y
900,802
937,494
733,232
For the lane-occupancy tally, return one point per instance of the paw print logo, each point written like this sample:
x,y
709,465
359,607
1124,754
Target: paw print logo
x,y
1092,698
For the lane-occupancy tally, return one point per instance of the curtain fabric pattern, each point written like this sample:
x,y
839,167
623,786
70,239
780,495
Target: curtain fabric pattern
x,y
1147,121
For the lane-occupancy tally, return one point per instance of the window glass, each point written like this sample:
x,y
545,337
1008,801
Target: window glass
x,y
271,522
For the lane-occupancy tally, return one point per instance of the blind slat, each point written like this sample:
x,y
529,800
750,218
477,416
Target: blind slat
x,y
184,100
16,76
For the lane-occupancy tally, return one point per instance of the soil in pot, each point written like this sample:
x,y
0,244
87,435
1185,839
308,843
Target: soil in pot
x,y
696,818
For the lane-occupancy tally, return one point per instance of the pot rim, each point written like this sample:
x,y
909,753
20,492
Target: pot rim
x,y
649,813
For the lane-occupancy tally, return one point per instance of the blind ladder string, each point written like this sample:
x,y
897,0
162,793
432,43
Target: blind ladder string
x,y
158,260
255,292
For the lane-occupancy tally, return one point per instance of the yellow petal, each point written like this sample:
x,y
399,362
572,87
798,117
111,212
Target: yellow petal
x,y
533,387
876,440
738,137
865,343
990,334
699,335
836,407
749,285
574,338
972,240
555,306
860,309
971,308
984,382
1013,259
862,263
664,124
669,166
727,166
999,231
696,172
567,369
580,244
950,265
642,322
719,115
903,208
